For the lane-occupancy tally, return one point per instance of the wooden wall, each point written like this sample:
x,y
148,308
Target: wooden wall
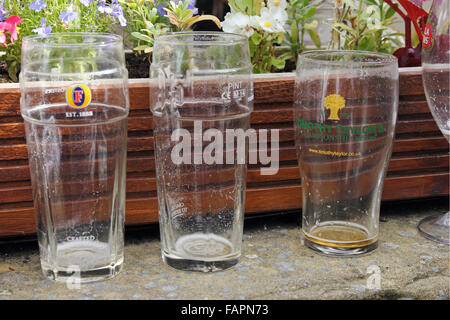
x,y
419,166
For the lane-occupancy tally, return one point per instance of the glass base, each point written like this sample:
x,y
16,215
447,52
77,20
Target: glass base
x,y
202,252
339,251
73,276
436,228
338,239
199,265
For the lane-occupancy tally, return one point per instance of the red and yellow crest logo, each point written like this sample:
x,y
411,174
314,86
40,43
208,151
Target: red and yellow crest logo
x,y
78,96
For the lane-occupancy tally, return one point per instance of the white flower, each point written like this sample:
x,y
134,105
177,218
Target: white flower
x,y
237,23
271,19
269,23
278,11
373,19
254,22
277,4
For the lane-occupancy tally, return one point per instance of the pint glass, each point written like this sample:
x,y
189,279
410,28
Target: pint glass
x,y
74,100
436,82
344,117
201,96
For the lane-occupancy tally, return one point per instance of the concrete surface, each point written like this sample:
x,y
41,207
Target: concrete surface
x,y
274,265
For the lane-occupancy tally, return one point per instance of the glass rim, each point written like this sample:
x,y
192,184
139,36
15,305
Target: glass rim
x,y
101,39
379,59
175,38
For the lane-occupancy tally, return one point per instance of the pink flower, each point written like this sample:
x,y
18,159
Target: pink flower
x,y
9,25
3,39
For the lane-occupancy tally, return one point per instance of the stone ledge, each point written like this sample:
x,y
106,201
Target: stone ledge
x,y
274,265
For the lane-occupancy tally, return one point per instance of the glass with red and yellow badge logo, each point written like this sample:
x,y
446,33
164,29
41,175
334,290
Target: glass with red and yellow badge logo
x,y
74,100
344,117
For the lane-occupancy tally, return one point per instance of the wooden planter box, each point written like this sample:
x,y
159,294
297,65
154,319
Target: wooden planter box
x,y
419,166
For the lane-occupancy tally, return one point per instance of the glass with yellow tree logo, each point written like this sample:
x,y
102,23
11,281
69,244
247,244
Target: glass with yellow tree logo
x,y
344,117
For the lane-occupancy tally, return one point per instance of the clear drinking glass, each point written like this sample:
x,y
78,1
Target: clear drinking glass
x,y
436,81
74,100
201,96
344,117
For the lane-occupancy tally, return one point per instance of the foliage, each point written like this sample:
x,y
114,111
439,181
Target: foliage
x,y
359,25
150,18
365,25
263,22
145,21
183,17
301,20
45,16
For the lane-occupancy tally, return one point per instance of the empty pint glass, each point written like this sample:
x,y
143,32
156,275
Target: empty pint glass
x,y
201,96
344,117
74,100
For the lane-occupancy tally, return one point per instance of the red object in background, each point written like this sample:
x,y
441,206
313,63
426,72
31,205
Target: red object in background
x,y
409,56
427,36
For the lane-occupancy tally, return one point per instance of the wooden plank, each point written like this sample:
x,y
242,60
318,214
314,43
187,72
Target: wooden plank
x,y
145,142
146,181
13,132
407,109
14,172
417,126
262,114
19,151
146,162
422,145
410,82
21,221
276,88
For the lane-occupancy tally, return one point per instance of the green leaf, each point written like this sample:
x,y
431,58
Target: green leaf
x,y
141,47
288,38
294,32
256,38
304,3
313,25
280,38
150,31
390,35
343,27
233,5
186,15
267,63
257,70
367,44
294,48
142,37
314,37
286,56
255,7
389,13
13,69
372,2
278,63
310,12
